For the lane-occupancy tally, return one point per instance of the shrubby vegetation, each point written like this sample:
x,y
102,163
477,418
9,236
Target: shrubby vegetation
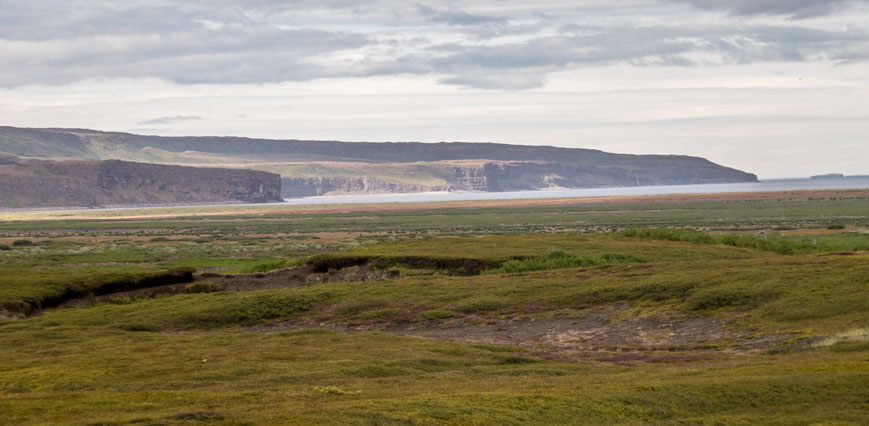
x,y
776,245
203,287
561,260
240,357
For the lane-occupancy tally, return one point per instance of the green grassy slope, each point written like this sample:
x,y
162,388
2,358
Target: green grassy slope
x,y
276,357
93,376
188,359
124,146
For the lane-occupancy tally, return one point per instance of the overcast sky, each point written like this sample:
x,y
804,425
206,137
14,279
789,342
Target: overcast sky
x,y
775,87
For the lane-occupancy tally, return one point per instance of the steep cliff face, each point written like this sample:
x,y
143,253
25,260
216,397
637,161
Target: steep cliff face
x,y
314,186
518,176
469,179
33,183
311,168
538,175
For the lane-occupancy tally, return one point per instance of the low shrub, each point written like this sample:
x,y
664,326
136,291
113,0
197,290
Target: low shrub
x,y
850,346
717,298
355,307
654,292
247,311
836,226
516,359
562,260
480,306
776,245
203,287
379,314
436,314
20,243
5,247
140,327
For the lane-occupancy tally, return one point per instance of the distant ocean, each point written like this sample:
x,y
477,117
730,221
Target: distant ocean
x,y
762,186
860,182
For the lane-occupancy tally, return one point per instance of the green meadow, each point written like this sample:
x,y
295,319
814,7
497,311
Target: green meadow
x,y
694,313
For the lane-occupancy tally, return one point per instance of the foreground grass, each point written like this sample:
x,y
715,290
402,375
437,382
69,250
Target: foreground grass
x,y
210,358
62,375
84,375
811,294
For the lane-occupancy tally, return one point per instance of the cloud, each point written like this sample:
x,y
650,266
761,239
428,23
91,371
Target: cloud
x,y
456,16
795,9
169,120
525,65
490,44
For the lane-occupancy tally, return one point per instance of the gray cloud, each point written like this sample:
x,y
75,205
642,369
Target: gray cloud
x,y
525,65
456,16
796,9
497,45
168,120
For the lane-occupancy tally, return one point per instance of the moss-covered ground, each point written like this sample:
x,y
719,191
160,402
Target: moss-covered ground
x,y
787,343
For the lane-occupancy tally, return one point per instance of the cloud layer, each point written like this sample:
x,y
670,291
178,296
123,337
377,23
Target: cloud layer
x,y
488,44
169,119
796,9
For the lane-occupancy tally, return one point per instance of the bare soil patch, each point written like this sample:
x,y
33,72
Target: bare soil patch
x,y
594,335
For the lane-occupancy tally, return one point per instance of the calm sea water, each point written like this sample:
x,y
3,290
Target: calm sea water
x,y
764,185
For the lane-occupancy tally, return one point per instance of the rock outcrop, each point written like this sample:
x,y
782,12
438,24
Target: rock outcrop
x,y
520,176
311,168
298,187
42,184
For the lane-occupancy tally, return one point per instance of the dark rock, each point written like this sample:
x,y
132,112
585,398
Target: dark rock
x,y
39,183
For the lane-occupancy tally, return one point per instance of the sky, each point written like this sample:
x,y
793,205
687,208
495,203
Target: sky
x,y
779,88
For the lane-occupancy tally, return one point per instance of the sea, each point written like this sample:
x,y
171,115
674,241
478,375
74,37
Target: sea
x,y
855,182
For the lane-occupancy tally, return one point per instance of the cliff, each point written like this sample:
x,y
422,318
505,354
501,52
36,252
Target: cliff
x,y
298,187
311,168
38,183
516,176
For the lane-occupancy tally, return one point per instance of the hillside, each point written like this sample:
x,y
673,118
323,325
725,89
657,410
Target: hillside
x,y
322,167
30,183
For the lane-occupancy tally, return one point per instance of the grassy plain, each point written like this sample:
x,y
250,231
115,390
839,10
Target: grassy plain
x,y
763,317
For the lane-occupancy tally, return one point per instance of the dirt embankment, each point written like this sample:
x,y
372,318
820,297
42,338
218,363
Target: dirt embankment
x,y
75,291
282,278
601,333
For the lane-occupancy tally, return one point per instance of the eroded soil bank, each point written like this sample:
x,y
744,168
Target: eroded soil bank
x,y
600,333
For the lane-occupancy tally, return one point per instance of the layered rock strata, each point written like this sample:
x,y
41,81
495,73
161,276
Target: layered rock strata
x,y
38,184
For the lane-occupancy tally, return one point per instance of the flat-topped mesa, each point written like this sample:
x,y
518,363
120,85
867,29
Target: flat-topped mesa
x,y
45,184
